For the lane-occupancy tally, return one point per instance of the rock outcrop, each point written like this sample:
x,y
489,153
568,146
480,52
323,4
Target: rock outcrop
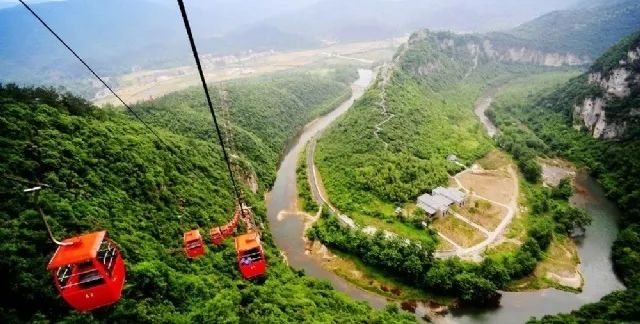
x,y
531,56
616,84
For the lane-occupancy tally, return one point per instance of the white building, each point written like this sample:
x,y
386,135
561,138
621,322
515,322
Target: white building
x,y
437,204
434,205
454,195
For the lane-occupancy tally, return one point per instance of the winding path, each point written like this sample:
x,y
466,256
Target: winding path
x,y
472,252
385,74
491,235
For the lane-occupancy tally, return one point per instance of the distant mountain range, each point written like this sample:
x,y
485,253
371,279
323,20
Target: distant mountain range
x,y
584,31
117,35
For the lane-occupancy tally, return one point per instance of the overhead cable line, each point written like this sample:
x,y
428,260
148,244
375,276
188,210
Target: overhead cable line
x,y
194,50
93,72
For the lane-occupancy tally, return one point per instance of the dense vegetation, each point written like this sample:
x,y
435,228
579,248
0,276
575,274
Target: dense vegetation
x,y
305,200
413,262
107,171
264,112
585,32
431,95
428,98
544,126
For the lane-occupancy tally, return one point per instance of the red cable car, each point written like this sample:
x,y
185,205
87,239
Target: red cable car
x,y
250,255
227,230
216,236
193,244
88,271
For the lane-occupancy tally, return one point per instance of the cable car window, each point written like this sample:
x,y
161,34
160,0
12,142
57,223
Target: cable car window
x,y
107,255
63,274
88,275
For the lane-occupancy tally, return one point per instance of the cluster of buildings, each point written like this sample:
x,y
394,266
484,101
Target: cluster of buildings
x,y
438,202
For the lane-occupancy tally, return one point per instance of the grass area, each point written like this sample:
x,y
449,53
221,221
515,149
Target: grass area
x,y
502,248
392,225
371,279
495,160
305,200
482,213
560,259
458,231
443,245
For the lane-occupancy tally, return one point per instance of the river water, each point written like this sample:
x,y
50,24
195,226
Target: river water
x,y
596,267
287,228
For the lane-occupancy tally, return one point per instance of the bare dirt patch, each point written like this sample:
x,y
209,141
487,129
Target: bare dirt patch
x,y
458,231
493,185
483,213
554,170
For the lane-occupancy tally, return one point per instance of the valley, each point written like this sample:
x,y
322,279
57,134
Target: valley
x,y
148,84
558,268
443,176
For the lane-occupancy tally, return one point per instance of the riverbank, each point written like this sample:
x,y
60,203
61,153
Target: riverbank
x,y
287,226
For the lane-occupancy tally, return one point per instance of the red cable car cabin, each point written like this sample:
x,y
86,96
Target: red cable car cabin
x,y
193,244
89,273
216,236
250,255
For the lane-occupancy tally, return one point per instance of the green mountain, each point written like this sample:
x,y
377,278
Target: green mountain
x,y
107,171
584,32
592,121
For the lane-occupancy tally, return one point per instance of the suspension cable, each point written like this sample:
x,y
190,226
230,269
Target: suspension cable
x,y
194,50
36,194
153,132
92,72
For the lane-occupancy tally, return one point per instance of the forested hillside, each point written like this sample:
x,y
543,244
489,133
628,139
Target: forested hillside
x,y
585,32
264,112
107,171
391,146
544,126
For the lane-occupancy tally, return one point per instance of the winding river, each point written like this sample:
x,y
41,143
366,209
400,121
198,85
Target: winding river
x,y
287,228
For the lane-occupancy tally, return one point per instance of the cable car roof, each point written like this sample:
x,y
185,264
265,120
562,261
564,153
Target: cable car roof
x,y
83,248
192,235
247,241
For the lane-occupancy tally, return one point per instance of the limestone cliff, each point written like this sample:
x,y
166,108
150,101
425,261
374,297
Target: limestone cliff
x,y
439,52
618,84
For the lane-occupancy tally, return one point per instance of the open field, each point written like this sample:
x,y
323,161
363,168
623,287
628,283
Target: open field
x,y
502,248
458,231
494,185
483,213
495,160
395,226
443,245
554,170
146,84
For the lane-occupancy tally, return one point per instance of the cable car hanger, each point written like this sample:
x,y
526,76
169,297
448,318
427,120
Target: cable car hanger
x,y
36,195
88,269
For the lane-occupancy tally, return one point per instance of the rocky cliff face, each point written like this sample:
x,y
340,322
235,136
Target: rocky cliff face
x,y
525,55
467,51
617,84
